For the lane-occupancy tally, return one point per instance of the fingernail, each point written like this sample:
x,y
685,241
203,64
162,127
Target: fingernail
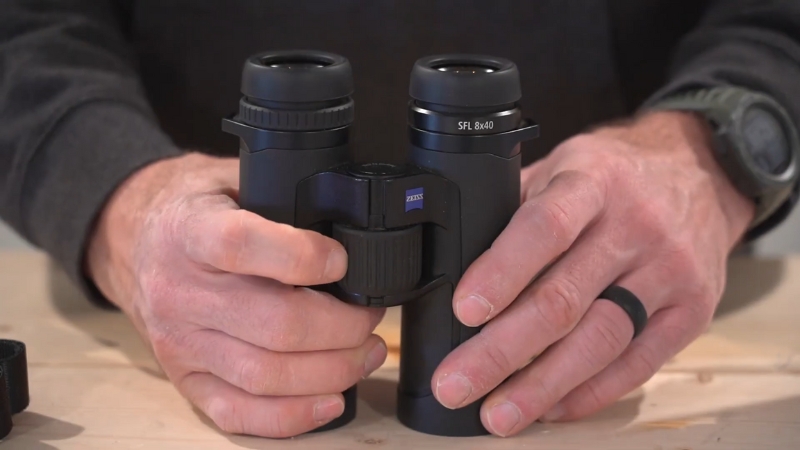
x,y
452,390
473,310
555,413
328,409
336,266
375,358
503,418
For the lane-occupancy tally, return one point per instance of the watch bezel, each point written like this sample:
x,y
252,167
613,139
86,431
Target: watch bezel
x,y
768,181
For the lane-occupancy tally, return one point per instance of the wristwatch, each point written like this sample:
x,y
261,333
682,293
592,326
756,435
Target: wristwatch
x,y
755,142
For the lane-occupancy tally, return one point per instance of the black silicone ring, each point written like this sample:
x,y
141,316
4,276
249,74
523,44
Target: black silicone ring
x,y
629,303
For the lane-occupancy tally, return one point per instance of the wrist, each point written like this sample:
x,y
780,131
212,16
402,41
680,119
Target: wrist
x,y
109,255
689,137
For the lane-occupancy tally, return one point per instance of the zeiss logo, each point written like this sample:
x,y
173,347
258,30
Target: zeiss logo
x,y
414,199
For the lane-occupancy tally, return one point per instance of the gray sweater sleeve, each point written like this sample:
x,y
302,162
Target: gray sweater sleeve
x,y
74,122
748,43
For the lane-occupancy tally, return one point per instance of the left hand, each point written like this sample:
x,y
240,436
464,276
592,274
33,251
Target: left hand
x,y
642,205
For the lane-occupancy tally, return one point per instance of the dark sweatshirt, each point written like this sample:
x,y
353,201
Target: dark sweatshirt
x,y
91,90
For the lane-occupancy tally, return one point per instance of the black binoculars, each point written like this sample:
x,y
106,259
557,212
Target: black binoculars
x,y
410,231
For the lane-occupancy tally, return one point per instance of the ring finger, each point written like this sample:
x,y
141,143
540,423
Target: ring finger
x,y
599,338
544,313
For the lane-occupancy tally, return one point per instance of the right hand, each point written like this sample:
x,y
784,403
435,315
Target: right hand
x,y
217,293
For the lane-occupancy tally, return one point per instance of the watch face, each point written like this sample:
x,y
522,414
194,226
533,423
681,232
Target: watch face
x,y
766,140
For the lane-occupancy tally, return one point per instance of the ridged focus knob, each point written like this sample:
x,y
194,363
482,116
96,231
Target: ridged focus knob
x,y
381,262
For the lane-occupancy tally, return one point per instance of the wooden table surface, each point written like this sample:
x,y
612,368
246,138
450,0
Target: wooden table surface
x,y
95,386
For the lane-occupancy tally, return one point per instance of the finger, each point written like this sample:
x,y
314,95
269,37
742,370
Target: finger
x,y
284,318
235,411
533,179
239,241
263,372
667,332
596,341
220,171
544,313
541,230
229,175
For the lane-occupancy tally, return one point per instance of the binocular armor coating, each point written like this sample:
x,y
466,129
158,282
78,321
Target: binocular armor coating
x,y
410,231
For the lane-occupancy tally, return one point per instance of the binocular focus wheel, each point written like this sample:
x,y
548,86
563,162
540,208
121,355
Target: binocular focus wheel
x,y
381,262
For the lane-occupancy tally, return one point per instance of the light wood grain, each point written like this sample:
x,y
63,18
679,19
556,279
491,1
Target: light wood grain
x,y
95,385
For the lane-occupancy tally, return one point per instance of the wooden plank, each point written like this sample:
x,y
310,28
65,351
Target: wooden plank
x,y
95,385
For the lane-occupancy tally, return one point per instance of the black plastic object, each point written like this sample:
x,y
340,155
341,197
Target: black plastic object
x,y
296,91
297,76
381,261
465,81
14,396
411,230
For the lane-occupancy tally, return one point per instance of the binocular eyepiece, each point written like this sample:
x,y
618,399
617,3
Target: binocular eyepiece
x,y
410,231
297,91
311,90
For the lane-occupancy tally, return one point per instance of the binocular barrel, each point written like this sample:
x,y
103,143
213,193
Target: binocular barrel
x,y
410,231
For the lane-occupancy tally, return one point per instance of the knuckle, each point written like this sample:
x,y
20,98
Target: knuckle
x,y
559,303
653,219
345,373
163,344
602,342
160,338
226,251
593,188
642,364
277,427
546,394
681,253
225,413
681,333
168,223
300,259
555,217
160,295
617,165
498,358
304,259
263,376
699,292
495,363
360,329
704,308
158,310
228,415
288,327
700,299
170,345
590,188
594,397
175,225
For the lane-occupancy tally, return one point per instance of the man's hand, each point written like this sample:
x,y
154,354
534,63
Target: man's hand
x,y
642,205
211,287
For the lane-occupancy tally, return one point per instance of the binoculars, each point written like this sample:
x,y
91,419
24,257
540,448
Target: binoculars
x,y
410,231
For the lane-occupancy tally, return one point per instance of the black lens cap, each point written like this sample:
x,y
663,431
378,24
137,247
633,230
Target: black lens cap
x,y
297,76
463,80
